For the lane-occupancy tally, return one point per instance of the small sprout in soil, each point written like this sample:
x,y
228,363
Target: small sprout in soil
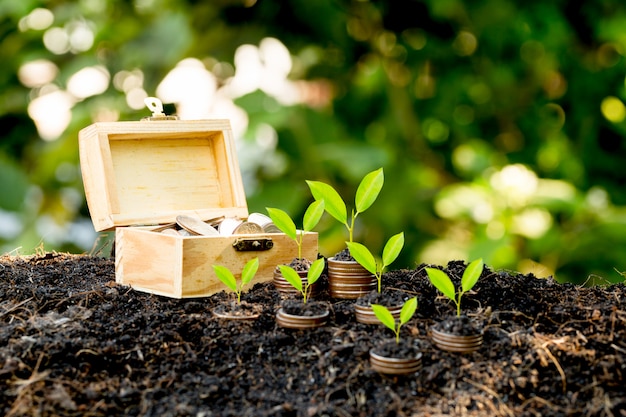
x,y
443,283
313,274
366,194
386,318
312,216
364,257
228,279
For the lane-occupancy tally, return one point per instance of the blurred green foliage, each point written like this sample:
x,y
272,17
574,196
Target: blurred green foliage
x,y
500,124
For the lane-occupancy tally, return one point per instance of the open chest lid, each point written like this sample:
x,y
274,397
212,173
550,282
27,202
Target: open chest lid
x,y
149,172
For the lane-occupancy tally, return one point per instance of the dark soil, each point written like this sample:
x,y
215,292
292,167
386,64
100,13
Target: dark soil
x,y
387,297
298,308
344,256
391,349
237,311
73,343
460,326
300,264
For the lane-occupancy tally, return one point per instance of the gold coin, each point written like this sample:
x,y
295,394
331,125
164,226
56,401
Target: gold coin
x,y
195,225
247,228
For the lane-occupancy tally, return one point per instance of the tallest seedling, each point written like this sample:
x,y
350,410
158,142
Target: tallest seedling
x,y
366,194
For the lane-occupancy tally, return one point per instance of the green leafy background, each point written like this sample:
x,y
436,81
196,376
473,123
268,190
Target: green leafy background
x,y
499,123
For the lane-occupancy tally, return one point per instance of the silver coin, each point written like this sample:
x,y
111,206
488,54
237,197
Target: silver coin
x,y
271,228
228,225
171,232
247,228
260,219
195,225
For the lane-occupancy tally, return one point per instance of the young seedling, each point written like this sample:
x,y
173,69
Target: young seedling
x,y
312,216
228,279
366,194
386,318
313,274
364,257
443,283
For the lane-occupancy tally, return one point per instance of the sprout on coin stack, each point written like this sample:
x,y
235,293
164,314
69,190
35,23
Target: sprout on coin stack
x,y
364,257
312,216
366,193
296,281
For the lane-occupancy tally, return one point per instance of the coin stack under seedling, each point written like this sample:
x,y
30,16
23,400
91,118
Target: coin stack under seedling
x,y
188,225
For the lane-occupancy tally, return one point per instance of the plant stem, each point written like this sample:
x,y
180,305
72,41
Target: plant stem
x,y
351,226
299,239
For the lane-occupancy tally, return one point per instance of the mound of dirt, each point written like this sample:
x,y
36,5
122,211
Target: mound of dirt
x,y
73,343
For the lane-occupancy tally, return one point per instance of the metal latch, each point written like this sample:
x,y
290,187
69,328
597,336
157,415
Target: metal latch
x,y
253,244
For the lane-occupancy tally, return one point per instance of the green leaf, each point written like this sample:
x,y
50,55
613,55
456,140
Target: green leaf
x,y
291,276
363,256
392,248
225,276
282,220
384,316
471,275
442,282
312,215
333,203
249,271
368,190
408,309
315,271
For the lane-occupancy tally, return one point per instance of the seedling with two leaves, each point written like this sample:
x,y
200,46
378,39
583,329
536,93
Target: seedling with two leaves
x,y
364,257
313,274
283,221
386,318
366,194
443,283
247,274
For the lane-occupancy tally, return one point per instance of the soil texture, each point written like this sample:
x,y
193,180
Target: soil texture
x,y
387,298
238,311
392,349
296,307
458,325
74,343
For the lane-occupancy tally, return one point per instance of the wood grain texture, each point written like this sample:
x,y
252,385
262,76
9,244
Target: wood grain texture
x,y
182,267
149,172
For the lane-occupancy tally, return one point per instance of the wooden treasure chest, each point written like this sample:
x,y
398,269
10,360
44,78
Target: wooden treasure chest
x,y
146,178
